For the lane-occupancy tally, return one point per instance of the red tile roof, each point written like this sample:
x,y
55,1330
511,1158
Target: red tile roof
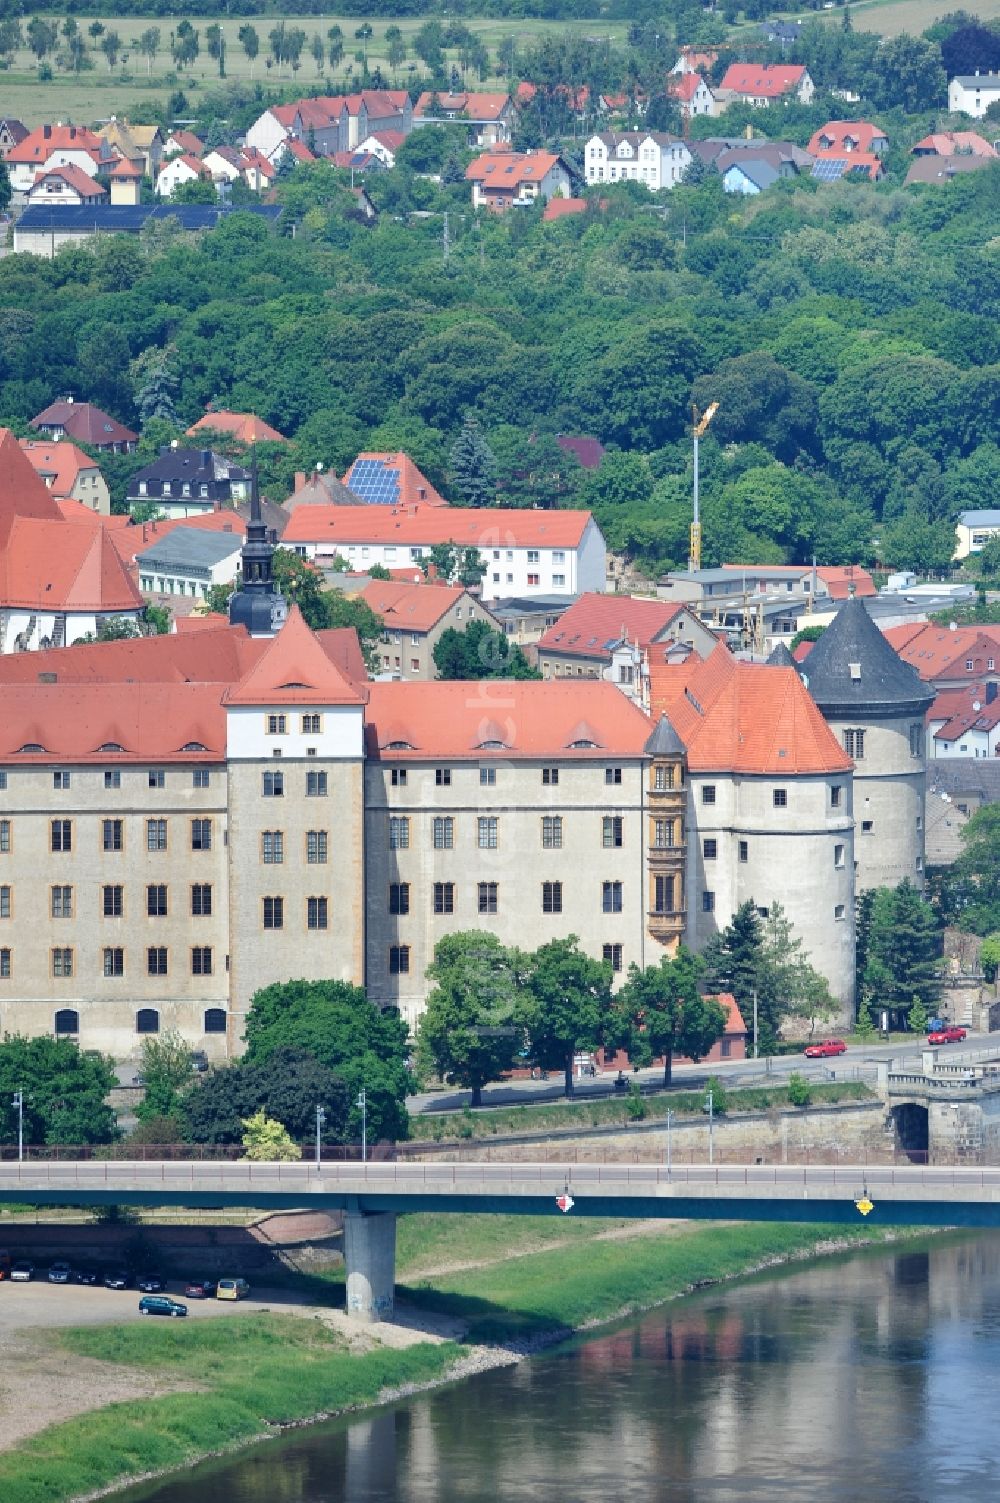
x,y
475,106
207,621
23,493
73,720
745,717
411,607
414,487
84,422
762,81
845,137
38,145
74,177
60,459
63,566
123,171
594,623
242,425
559,208
293,669
131,540
508,169
685,87
938,652
949,143
466,527
189,143
300,150
467,721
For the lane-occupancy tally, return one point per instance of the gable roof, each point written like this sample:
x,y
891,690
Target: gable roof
x,y
38,145
390,480
685,86
935,169
745,717
501,168
74,177
854,669
939,652
242,425
319,488
477,106
415,721
59,458
946,143
187,141
763,81
839,136
63,566
84,422
595,623
560,208
23,493
412,607
293,669
466,527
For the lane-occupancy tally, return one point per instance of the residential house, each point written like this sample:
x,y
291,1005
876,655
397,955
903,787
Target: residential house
x,y
783,33
319,487
973,93
85,424
384,145
692,95
55,146
188,482
190,561
223,163
954,143
503,178
68,473
763,84
525,552
751,174
178,170
694,60
843,147
650,157
58,579
563,208
525,619
949,657
390,480
415,616
12,133
938,170
243,426
179,142
68,184
489,117
584,642
965,722
957,788
297,150
331,124
142,145
974,529
258,172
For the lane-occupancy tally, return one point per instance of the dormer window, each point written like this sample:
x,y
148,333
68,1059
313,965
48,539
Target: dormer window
x,y
111,746
583,746
398,746
191,746
31,746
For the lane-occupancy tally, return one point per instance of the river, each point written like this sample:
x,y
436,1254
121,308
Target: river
x,y
873,1377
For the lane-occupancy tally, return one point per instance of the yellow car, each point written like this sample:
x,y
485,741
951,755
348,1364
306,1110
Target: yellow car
x,y
232,1289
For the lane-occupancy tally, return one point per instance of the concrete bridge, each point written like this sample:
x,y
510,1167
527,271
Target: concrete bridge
x,y
372,1195
945,1107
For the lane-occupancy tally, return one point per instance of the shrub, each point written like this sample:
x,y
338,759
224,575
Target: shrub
x,y
635,1106
799,1090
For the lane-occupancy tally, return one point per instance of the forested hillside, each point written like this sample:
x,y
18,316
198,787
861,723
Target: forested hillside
x,y
850,334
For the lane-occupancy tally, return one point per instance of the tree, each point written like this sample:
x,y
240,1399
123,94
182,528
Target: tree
x,y
978,870
335,46
155,384
732,958
197,190
5,188
988,557
989,957
904,949
479,652
249,39
64,1091
335,1022
565,1005
918,1016
43,38
165,1067
111,46
288,1084
906,74
148,43
318,49
467,1033
267,1141
664,1013
473,466
395,48
185,46
454,565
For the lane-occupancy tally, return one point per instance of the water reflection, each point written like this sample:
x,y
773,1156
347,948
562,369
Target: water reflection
x,y
869,1378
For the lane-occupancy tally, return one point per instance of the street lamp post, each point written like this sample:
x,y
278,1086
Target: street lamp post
x,y
710,1103
320,1119
362,1102
670,1117
18,1101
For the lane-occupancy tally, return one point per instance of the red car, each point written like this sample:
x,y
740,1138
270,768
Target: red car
x,y
951,1035
826,1048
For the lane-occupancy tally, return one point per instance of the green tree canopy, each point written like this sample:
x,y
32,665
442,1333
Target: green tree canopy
x,y
288,1083
64,1091
903,950
565,1005
480,652
664,1013
467,1033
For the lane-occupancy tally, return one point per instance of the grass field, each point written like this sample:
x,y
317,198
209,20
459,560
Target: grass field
x,y
890,17
94,95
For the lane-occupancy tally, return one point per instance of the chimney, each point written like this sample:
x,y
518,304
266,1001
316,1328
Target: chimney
x,y
72,132
206,457
48,678
46,132
300,479
991,691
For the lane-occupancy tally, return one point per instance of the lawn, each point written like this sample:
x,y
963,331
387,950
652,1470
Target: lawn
x,y
94,95
890,17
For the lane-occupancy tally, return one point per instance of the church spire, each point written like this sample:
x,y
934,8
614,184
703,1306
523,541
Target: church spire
x,y
257,605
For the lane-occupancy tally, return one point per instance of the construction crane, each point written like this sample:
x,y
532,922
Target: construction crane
x,y
698,430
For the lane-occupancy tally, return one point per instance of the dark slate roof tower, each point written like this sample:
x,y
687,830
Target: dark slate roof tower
x,y
257,605
875,705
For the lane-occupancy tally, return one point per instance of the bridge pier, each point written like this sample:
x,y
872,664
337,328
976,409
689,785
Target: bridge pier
x,y
370,1256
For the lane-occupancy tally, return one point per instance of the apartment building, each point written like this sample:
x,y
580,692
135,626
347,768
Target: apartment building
x,y
650,157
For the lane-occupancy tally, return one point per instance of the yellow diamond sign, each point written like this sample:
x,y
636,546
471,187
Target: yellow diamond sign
x,y
865,1206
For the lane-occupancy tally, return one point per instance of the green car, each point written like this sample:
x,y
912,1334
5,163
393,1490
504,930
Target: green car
x,y
161,1304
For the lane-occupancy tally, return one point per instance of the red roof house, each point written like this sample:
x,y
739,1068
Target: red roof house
x,y
765,83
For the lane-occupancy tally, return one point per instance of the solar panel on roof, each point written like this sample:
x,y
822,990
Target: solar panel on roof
x,y
375,482
828,171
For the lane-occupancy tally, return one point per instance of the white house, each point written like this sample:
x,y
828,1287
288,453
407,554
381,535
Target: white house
x,y
224,164
649,157
189,561
182,169
973,93
526,553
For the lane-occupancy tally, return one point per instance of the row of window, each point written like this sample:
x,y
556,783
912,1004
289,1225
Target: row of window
x,y
444,897
62,778
317,913
272,847
62,900
399,958
63,961
710,851
779,796
488,832
309,725
66,1022
488,776
113,834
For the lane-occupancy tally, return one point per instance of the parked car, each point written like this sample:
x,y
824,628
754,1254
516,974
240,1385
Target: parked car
x,y
200,1289
232,1289
150,1283
22,1272
949,1035
60,1273
4,1263
161,1304
825,1049
84,1276
117,1278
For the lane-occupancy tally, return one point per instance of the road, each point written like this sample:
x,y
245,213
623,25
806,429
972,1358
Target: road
x,y
861,1057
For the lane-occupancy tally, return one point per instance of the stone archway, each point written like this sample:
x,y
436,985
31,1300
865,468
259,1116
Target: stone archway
x,y
910,1120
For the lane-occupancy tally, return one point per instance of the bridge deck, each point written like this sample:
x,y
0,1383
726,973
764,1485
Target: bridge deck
x,y
933,1195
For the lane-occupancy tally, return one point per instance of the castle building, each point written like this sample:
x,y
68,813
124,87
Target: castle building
x,y
875,704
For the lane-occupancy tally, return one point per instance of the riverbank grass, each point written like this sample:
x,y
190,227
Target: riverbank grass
x,y
248,1375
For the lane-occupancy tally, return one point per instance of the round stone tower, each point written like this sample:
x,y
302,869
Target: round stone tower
x,y
875,705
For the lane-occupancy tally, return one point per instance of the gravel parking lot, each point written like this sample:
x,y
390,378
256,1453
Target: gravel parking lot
x,y
40,1304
